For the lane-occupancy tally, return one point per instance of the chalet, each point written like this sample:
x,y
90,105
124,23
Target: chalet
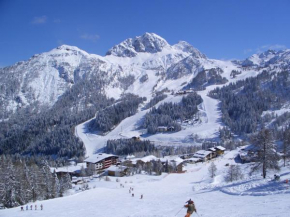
x,y
99,162
136,138
186,156
203,155
63,173
161,129
144,159
214,151
170,129
117,171
193,160
174,161
248,154
180,92
220,150
72,170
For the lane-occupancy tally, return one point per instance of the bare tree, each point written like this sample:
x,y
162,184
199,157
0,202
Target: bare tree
x,y
267,157
234,173
212,170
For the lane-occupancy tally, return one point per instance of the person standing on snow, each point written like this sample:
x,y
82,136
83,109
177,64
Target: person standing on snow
x,y
190,208
41,206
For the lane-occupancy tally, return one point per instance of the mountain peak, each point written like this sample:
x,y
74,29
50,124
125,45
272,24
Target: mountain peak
x,y
147,43
188,48
267,57
68,48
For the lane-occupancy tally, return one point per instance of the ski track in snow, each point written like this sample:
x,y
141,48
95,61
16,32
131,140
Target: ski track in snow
x,y
165,195
128,128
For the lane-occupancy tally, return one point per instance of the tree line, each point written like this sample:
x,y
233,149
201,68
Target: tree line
x,y
106,119
23,181
243,102
50,131
169,114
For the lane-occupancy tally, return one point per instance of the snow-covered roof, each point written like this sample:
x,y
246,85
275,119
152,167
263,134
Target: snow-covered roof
x,y
202,153
148,158
98,157
116,168
68,169
220,148
162,127
212,149
175,159
144,159
130,157
195,159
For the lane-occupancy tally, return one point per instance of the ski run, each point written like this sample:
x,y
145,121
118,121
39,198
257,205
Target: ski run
x,y
165,195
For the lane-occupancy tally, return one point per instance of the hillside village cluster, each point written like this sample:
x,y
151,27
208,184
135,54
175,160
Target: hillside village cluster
x,y
103,164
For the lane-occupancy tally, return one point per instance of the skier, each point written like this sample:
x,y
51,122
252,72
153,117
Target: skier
x,y
30,207
22,208
190,208
141,196
26,207
132,195
35,207
41,206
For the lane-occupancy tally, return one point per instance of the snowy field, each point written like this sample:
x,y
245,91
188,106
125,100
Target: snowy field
x,y
165,195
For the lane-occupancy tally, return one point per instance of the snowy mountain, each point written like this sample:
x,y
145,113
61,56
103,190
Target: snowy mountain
x,y
45,77
147,43
49,102
68,80
269,57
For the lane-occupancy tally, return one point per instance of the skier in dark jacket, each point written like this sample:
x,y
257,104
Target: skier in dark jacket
x,y
190,208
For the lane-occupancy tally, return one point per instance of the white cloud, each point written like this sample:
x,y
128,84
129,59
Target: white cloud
x,y
90,37
39,20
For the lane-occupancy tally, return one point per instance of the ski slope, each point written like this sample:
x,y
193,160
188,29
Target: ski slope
x,y
165,195
129,127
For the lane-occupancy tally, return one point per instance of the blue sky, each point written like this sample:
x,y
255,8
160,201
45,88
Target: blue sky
x,y
222,29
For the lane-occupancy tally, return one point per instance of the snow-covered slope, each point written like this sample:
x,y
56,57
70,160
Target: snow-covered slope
x,y
140,65
269,57
166,195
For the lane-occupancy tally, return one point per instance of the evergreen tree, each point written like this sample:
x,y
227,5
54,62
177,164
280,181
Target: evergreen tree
x,y
286,145
267,157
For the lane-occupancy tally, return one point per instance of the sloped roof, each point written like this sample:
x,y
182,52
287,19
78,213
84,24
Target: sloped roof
x,y
116,168
212,149
202,153
220,148
69,169
172,159
148,158
195,159
98,157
